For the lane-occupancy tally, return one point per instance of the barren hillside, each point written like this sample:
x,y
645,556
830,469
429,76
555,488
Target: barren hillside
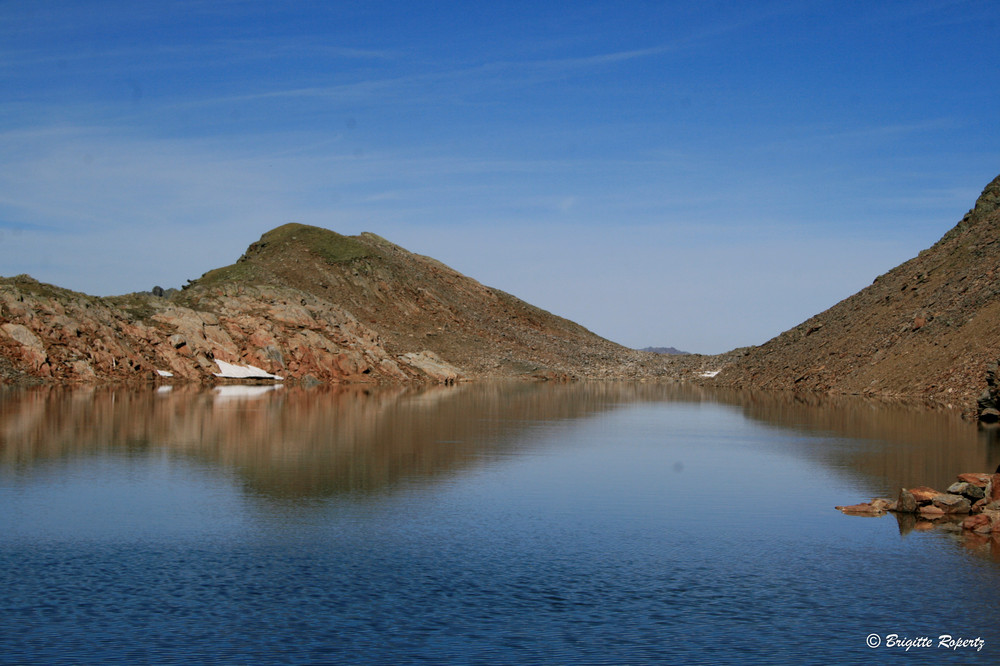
x,y
928,328
309,305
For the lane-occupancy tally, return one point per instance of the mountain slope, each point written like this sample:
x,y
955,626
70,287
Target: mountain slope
x,y
311,305
929,327
414,303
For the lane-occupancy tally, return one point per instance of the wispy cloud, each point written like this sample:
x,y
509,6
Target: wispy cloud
x,y
444,83
144,143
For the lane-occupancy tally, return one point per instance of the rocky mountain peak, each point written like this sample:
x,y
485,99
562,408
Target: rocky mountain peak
x,y
988,201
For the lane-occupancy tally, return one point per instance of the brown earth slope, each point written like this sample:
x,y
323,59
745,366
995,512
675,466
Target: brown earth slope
x,y
310,305
416,303
928,328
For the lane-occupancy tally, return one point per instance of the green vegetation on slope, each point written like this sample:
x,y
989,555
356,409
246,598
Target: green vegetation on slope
x,y
330,245
284,242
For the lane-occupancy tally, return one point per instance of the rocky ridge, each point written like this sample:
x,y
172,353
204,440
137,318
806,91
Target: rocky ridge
x,y
929,328
312,306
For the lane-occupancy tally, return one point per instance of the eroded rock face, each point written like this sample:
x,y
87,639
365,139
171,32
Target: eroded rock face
x,y
51,333
431,364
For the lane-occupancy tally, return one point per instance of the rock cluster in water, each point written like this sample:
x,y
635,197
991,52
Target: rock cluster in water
x,y
974,495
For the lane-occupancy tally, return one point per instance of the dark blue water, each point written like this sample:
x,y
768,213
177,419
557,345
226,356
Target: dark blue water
x,y
527,524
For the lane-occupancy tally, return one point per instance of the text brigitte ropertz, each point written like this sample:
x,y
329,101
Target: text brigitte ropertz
x,y
944,641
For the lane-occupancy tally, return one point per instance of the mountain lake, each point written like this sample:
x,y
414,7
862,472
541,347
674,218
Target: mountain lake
x,y
588,523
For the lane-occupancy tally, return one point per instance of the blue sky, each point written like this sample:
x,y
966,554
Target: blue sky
x,y
702,175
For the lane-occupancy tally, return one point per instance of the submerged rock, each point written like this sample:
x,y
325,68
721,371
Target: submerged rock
x,y
861,510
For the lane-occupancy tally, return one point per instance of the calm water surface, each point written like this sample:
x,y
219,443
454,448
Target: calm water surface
x,y
517,523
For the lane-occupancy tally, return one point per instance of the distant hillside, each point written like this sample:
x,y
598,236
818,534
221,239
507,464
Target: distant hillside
x,y
929,328
664,350
307,304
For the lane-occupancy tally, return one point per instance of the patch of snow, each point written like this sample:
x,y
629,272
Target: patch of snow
x,y
164,373
710,373
233,371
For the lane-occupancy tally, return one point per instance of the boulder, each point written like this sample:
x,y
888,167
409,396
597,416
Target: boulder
x,y
24,336
924,494
906,503
83,370
952,503
992,491
966,489
975,479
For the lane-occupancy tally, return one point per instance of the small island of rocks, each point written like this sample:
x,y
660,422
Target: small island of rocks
x,y
974,499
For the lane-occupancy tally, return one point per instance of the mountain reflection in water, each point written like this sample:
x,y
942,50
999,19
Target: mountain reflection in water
x,y
295,442
482,523
886,444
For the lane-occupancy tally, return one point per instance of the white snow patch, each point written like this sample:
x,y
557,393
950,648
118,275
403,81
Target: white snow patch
x,y
233,371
